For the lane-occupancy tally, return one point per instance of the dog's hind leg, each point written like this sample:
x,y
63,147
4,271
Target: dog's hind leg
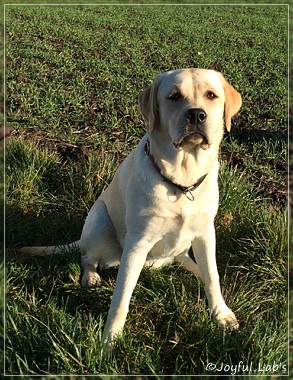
x,y
98,244
90,277
186,262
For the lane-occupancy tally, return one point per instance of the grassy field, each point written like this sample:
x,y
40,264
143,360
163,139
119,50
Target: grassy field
x,y
73,75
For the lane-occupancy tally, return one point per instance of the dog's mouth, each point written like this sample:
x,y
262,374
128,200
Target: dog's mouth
x,y
193,138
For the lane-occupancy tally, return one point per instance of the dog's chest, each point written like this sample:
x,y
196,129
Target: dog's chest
x,y
176,236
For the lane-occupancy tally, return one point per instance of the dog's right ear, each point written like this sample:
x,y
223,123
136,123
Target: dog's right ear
x,y
148,105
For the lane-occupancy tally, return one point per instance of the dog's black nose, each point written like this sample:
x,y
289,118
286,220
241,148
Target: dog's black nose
x,y
196,116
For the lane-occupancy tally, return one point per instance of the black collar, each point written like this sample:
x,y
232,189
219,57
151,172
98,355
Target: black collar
x,y
186,190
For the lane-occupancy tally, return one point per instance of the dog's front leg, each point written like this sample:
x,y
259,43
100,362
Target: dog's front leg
x,y
132,260
204,249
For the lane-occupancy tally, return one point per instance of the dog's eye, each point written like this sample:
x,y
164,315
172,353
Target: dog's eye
x,y
174,96
211,95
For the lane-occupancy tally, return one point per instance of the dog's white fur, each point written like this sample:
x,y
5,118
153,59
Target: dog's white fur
x,y
142,219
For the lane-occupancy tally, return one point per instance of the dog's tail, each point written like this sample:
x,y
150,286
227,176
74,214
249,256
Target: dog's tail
x,y
51,250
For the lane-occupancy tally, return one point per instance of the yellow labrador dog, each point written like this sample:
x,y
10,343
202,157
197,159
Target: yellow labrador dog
x,y
164,196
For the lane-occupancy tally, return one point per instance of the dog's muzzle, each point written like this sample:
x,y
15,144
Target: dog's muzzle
x,y
193,131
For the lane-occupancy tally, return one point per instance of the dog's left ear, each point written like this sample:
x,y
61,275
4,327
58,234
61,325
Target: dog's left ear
x,y
148,105
233,102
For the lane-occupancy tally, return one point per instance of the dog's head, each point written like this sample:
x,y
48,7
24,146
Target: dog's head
x,y
190,105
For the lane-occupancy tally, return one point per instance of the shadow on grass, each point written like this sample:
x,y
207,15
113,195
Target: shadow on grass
x,y
30,229
245,134
56,276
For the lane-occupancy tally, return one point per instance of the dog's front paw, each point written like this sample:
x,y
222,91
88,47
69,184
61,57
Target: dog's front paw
x,y
110,342
110,336
227,320
90,280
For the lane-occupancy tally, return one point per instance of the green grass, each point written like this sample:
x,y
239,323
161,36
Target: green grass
x,y
73,75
